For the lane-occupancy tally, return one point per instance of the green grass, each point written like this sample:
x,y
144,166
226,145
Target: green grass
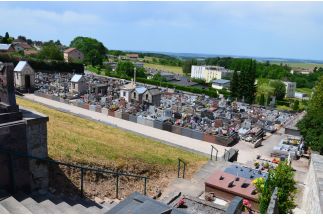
x,y
171,69
308,91
78,140
309,66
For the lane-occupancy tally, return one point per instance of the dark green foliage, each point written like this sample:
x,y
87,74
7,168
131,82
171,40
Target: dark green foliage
x,y
283,178
280,89
116,52
311,126
6,39
234,85
296,105
126,68
158,77
187,66
51,51
52,66
93,50
262,99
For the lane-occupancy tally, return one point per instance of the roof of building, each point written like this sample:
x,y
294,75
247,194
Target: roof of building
x,y
24,45
5,46
69,50
76,78
129,86
245,172
232,184
221,81
137,203
140,89
20,66
153,91
133,55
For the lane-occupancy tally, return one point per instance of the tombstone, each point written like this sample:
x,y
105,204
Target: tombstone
x,y
7,88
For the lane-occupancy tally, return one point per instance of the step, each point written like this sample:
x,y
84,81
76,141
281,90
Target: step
x,y
13,206
30,203
3,210
96,210
81,209
51,207
66,208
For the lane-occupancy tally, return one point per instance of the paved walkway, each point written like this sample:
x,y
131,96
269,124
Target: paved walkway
x,y
156,134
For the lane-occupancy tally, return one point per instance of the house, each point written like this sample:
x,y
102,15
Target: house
x,y
24,76
137,94
133,56
152,96
72,55
290,89
21,46
126,90
209,73
30,52
78,84
219,84
6,48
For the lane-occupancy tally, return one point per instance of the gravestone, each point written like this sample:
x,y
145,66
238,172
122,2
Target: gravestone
x,y
7,88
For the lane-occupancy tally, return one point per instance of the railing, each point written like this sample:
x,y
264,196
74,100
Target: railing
x,y
217,151
81,168
180,161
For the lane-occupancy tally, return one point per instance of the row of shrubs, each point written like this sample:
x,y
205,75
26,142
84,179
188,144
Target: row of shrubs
x,y
48,66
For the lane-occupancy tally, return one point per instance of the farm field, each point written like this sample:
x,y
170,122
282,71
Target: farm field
x,y
172,69
309,66
77,140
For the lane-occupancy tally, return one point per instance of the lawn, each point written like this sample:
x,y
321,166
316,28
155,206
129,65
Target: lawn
x,y
308,91
74,139
172,69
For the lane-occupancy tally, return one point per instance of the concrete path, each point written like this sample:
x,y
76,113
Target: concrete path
x,y
156,134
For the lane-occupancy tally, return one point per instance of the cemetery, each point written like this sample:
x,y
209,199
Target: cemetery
x,y
215,120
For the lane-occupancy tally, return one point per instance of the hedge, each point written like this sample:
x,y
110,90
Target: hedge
x,y
49,66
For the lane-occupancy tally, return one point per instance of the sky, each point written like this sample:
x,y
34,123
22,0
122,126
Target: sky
x,y
258,29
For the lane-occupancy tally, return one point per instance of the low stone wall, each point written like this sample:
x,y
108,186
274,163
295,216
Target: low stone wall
x,y
273,204
313,194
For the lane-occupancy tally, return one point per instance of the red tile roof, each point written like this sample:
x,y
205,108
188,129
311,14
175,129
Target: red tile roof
x,y
69,50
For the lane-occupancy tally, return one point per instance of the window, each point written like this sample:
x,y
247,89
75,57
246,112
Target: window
x,y
134,95
124,93
146,96
73,85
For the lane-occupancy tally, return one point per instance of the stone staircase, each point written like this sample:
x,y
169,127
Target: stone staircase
x,y
195,186
36,203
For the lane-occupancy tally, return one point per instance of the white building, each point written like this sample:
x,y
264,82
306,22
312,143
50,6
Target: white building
x,y
219,84
24,76
78,84
290,89
126,90
209,73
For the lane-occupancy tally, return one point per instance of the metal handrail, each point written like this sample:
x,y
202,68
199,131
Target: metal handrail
x,y
179,168
217,151
82,169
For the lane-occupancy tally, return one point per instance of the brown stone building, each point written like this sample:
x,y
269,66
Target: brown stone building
x,y
73,55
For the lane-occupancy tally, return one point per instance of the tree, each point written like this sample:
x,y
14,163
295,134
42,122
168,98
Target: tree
x,y
234,86
158,77
7,39
283,178
187,66
126,68
296,105
50,51
93,50
279,89
262,99
311,126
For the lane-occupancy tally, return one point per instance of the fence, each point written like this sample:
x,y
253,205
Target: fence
x,y
82,170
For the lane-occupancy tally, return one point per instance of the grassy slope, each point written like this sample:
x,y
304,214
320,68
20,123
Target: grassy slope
x,y
172,69
308,91
74,139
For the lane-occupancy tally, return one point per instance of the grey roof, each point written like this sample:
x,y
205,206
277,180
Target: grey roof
x,y
221,81
140,90
137,203
245,172
20,66
154,91
76,78
5,46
